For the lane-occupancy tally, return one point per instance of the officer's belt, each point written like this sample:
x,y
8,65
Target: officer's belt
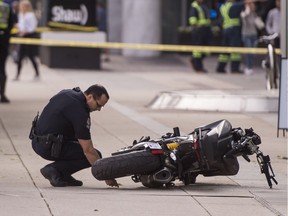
x,y
46,138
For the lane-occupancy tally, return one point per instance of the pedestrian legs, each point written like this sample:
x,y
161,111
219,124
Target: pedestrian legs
x,y
3,78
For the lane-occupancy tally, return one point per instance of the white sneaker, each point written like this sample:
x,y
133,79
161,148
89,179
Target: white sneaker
x,y
36,78
248,71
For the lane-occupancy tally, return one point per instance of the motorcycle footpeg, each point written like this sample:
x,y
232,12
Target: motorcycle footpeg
x,y
136,178
170,185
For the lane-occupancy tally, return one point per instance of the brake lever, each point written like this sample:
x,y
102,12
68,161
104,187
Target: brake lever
x,y
246,157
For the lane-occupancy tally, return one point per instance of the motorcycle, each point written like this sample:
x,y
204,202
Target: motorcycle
x,y
210,150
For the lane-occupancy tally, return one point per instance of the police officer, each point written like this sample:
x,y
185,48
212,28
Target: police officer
x,y
6,24
231,36
62,134
201,31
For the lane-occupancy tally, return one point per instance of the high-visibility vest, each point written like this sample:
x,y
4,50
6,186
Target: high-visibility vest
x,y
4,15
227,21
202,20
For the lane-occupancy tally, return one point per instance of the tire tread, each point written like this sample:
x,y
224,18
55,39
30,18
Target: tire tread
x,y
139,162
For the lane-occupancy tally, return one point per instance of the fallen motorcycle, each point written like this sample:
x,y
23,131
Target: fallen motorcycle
x,y
210,150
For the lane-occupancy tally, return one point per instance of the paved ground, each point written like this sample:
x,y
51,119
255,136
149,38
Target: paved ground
x,y
132,84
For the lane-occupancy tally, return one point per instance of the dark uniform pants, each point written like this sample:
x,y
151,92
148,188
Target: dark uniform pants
x,y
201,36
4,45
231,37
71,159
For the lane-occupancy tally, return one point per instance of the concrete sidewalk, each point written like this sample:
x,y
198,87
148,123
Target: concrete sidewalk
x,y
132,85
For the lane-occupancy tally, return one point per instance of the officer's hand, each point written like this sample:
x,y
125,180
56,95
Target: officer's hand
x,y
112,183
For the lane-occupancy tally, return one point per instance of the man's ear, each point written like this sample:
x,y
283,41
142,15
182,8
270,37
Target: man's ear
x,y
89,97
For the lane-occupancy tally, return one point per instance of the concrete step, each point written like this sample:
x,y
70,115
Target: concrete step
x,y
218,100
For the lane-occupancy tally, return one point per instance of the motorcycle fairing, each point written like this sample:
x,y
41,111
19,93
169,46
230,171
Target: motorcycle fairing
x,y
214,141
223,128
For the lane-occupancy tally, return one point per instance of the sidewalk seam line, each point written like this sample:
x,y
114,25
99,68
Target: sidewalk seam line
x,y
25,167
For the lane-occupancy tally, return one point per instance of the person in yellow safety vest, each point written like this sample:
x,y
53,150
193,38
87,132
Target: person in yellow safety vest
x,y
199,20
6,24
231,35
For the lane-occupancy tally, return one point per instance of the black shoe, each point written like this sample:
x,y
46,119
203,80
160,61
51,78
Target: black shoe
x,y
220,71
53,175
72,181
4,99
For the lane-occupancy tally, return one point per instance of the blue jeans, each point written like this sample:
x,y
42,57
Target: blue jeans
x,y
249,41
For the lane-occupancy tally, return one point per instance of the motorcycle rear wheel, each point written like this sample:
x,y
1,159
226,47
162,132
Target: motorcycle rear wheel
x,y
139,162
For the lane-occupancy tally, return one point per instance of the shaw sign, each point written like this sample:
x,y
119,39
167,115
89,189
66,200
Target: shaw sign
x,y
72,14
59,14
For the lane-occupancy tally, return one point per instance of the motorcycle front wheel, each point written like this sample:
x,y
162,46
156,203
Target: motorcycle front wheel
x,y
138,162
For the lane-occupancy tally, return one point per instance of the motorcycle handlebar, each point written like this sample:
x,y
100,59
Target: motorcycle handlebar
x,y
263,160
237,148
269,37
231,152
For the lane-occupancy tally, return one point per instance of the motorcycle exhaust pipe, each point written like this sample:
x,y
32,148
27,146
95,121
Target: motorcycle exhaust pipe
x,y
163,176
157,179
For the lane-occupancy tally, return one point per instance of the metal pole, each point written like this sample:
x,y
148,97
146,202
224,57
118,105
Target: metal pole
x,y
284,33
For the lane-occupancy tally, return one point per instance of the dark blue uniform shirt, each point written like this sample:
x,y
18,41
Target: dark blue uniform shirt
x,y
67,113
236,9
194,12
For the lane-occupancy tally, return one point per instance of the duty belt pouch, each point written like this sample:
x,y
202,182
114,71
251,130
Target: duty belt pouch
x,y
56,145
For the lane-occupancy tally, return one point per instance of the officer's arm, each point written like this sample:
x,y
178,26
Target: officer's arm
x,y
92,156
89,150
193,17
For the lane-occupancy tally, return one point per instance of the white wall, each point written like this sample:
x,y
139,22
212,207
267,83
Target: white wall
x,y
135,21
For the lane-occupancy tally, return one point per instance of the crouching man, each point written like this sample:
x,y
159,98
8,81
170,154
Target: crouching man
x,y
62,134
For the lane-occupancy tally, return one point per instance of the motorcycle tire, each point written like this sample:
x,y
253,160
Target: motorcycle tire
x,y
138,162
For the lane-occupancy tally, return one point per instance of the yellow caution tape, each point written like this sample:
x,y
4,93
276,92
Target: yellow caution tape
x,y
59,27
72,27
158,47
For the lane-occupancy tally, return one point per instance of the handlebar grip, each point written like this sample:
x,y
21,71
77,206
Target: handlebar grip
x,y
238,148
246,158
231,152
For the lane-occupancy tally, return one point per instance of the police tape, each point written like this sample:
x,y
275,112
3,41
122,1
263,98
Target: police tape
x,y
64,26
155,47
15,30
54,26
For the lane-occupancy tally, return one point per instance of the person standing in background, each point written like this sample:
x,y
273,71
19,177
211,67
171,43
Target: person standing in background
x,y
231,36
14,48
273,22
201,32
251,23
6,24
101,20
27,25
